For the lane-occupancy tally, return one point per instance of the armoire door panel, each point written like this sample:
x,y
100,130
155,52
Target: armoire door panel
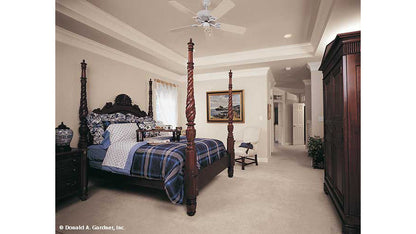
x,y
338,119
339,170
334,153
328,154
353,63
327,128
325,99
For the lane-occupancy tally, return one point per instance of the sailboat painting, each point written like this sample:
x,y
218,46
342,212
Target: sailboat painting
x,y
217,106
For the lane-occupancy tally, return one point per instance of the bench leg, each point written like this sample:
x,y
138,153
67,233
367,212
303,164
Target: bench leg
x,y
243,163
255,157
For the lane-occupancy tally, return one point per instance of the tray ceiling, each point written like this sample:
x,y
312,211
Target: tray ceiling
x,y
139,29
266,22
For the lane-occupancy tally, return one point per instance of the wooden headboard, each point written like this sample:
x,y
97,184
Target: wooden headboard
x,y
122,104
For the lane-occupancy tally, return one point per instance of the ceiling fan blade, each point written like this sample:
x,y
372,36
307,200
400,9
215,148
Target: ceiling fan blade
x,y
181,8
184,27
232,28
222,8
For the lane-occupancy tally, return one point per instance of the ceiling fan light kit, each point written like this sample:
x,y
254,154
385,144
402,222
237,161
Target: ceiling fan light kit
x,y
208,19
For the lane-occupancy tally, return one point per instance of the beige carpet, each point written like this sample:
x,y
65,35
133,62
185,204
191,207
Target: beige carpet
x,y
282,196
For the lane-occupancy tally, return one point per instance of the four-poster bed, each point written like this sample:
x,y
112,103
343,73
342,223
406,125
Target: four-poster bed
x,y
195,176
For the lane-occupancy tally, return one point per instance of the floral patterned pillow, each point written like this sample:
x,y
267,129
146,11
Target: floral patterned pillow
x,y
108,119
96,127
97,123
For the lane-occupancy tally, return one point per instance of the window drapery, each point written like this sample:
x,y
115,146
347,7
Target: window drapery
x,y
167,104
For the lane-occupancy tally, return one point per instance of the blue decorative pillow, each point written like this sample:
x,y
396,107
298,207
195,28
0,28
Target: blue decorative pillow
x,y
106,142
247,145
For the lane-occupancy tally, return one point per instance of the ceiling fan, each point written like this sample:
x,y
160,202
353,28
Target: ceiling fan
x,y
208,19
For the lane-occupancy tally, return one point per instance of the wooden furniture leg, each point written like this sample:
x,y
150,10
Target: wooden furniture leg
x,y
83,132
191,171
230,138
150,112
83,109
243,163
257,162
84,176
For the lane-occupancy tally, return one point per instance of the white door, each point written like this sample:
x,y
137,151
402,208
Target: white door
x,y
298,124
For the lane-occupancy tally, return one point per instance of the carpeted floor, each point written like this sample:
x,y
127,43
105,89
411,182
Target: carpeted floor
x,y
284,195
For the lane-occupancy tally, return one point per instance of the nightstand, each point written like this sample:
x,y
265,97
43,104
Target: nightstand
x,y
71,174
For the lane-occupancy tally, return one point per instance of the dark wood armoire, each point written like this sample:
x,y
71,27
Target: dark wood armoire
x,y
341,85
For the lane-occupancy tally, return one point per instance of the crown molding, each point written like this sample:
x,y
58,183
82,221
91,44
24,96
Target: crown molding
x,y
307,82
256,56
313,66
293,90
89,14
75,40
324,12
254,72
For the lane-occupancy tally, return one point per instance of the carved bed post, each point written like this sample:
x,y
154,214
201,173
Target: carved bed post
x,y
83,109
230,138
191,171
150,112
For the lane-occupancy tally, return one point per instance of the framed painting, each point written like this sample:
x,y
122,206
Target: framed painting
x,y
217,106
269,111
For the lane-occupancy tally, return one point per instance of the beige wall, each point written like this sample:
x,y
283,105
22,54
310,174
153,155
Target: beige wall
x,y
317,128
255,104
308,107
270,122
105,79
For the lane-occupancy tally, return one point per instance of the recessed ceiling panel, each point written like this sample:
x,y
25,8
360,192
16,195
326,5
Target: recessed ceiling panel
x,y
267,21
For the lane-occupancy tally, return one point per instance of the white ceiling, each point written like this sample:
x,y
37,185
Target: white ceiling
x,y
266,22
139,29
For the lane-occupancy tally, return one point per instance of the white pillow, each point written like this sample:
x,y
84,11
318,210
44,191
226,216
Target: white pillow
x,y
122,132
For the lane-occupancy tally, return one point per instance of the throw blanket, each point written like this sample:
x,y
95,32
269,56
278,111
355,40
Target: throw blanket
x,y
118,158
166,162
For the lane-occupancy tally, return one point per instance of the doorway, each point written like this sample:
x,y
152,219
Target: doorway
x,y
298,123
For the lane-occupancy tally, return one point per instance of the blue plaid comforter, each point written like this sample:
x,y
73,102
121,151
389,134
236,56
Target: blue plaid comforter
x,y
166,162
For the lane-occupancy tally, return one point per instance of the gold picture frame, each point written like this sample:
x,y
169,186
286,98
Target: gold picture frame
x,y
269,111
217,106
